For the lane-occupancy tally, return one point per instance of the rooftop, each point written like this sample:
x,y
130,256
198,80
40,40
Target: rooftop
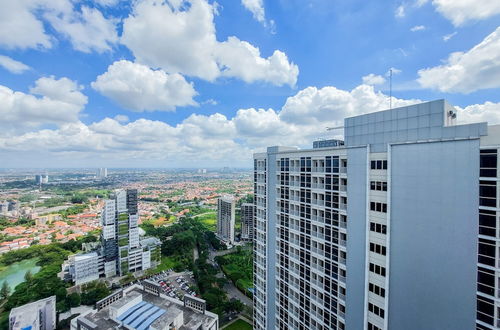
x,y
139,309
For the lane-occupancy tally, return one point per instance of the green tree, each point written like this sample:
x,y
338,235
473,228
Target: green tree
x,y
28,277
5,290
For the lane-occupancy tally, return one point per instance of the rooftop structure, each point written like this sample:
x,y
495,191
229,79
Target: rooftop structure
x,y
38,315
143,307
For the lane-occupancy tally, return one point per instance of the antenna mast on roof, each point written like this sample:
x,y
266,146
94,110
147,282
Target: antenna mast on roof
x,y
390,88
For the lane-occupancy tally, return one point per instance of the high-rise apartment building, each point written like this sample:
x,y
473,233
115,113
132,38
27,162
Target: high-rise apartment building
x,y
226,218
122,250
247,215
393,228
102,173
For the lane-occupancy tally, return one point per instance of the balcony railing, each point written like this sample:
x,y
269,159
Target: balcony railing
x,y
318,186
318,169
318,202
342,242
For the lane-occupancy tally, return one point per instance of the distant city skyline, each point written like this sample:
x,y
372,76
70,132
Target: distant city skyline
x,y
114,83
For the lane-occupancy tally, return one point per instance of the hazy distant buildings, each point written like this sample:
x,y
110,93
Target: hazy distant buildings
x,y
38,315
226,218
396,229
247,215
121,250
102,173
41,178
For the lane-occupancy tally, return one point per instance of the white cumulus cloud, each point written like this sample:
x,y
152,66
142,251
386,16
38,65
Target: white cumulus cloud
x,y
23,25
12,65
462,11
60,101
180,36
139,88
256,7
213,139
466,72
373,79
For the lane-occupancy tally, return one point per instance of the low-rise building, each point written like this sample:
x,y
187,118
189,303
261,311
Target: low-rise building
x,y
38,315
145,307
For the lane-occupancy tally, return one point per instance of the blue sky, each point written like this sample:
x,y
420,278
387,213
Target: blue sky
x,y
201,84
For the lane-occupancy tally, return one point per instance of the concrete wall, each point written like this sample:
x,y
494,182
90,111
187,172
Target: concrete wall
x,y
356,236
433,235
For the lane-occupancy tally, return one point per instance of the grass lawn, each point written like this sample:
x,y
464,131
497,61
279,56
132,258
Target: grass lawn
x,y
239,325
209,220
166,263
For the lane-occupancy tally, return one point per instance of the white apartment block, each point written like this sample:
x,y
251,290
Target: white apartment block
x,y
226,218
247,218
387,230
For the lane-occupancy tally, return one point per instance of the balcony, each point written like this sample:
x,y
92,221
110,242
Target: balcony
x,y
342,261
343,188
343,170
343,206
318,235
343,224
318,218
318,186
342,242
319,202
318,169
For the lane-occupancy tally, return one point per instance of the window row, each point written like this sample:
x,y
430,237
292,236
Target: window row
x,y
376,289
377,269
376,310
378,207
378,185
378,249
378,164
378,228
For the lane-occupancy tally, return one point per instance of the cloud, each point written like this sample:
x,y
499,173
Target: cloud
x,y
240,59
107,3
121,118
256,7
475,113
12,65
20,28
373,79
417,28
449,36
155,28
213,140
466,72
87,31
400,11
60,102
22,25
461,11
138,88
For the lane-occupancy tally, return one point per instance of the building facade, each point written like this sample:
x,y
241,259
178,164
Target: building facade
x,y
383,231
40,315
247,215
226,218
121,250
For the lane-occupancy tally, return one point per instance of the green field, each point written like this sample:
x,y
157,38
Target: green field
x,y
166,263
239,325
209,220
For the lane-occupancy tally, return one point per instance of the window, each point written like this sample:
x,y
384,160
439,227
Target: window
x,y
378,164
376,289
376,310
378,249
378,185
373,327
487,223
378,207
487,193
378,228
377,269
488,163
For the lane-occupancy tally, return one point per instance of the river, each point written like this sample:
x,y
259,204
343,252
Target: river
x,y
14,274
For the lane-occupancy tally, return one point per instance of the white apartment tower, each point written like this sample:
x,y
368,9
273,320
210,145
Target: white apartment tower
x,y
247,217
226,218
389,230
